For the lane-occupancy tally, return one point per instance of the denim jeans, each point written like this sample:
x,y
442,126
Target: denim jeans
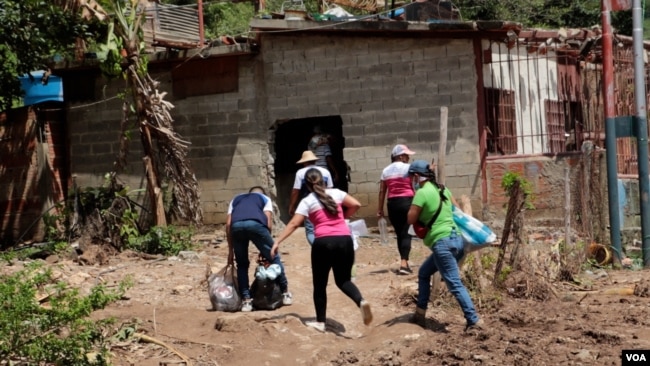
x,y
445,255
309,231
250,230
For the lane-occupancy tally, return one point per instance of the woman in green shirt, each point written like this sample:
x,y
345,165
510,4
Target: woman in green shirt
x,y
432,204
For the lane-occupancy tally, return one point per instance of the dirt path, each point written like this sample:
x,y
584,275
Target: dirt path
x,y
169,302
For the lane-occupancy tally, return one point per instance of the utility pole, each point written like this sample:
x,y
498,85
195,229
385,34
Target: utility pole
x,y
610,130
642,128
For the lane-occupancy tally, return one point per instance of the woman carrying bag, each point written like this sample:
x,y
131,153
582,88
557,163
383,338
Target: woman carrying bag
x,y
444,240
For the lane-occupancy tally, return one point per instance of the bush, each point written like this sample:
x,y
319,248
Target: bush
x,y
57,331
162,240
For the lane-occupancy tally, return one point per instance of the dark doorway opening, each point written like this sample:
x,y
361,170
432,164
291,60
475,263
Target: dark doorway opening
x,y
291,139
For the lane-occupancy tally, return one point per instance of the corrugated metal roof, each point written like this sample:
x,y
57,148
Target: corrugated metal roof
x,y
172,25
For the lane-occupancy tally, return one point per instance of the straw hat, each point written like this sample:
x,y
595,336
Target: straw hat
x,y
307,156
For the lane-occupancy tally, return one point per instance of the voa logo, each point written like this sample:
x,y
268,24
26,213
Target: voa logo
x,y
635,357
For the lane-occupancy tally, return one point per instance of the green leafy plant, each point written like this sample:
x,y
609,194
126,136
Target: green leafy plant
x,y
508,182
226,18
487,261
505,272
162,240
57,331
129,227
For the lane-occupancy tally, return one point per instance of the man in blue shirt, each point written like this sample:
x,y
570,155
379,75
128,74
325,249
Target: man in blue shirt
x,y
250,218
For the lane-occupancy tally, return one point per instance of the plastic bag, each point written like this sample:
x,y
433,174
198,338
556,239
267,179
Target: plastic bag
x,y
383,230
266,292
271,272
223,290
475,233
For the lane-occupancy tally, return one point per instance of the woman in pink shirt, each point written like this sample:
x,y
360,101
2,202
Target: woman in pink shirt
x,y
333,248
396,184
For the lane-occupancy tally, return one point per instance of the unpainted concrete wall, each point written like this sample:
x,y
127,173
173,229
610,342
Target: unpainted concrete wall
x,y
386,91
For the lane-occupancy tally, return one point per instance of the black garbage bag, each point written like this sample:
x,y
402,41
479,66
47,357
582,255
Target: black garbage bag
x,y
266,293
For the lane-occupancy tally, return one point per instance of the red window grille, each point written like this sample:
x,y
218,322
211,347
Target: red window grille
x,y
501,121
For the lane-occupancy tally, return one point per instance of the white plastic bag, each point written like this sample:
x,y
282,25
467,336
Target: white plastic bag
x,y
223,291
357,228
475,233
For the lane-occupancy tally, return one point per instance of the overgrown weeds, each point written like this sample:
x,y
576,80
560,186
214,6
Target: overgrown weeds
x,y
43,321
162,240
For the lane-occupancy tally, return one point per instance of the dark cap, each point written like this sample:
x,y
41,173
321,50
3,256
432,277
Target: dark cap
x,y
419,167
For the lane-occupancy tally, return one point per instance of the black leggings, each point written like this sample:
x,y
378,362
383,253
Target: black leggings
x,y
335,253
398,209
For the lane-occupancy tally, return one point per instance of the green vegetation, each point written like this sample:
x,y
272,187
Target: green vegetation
x,y
226,18
487,261
32,34
167,240
548,14
508,182
505,272
55,330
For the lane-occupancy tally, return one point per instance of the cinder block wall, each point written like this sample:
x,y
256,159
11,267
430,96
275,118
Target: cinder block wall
x,y
228,151
386,91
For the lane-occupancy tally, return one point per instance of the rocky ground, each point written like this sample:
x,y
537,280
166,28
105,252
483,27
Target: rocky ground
x,y
533,321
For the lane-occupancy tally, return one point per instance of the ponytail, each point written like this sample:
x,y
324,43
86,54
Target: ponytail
x,y
315,183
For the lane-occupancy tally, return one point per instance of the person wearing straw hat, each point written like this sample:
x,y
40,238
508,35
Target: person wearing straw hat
x,y
300,191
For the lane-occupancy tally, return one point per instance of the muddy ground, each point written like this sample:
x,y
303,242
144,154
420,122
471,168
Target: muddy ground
x,y
532,321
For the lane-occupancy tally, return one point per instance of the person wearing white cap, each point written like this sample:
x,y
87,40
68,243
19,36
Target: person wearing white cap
x,y
299,190
396,184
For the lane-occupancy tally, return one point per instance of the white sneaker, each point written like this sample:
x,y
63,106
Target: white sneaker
x,y
319,326
247,305
366,313
287,298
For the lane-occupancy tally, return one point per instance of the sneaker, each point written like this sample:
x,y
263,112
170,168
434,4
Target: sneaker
x,y
405,270
247,305
474,329
287,298
366,313
319,326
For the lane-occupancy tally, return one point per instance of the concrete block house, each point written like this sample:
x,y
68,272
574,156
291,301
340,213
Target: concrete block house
x,y
516,101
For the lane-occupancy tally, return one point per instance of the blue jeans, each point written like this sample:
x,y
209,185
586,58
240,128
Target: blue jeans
x,y
309,231
241,233
446,253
